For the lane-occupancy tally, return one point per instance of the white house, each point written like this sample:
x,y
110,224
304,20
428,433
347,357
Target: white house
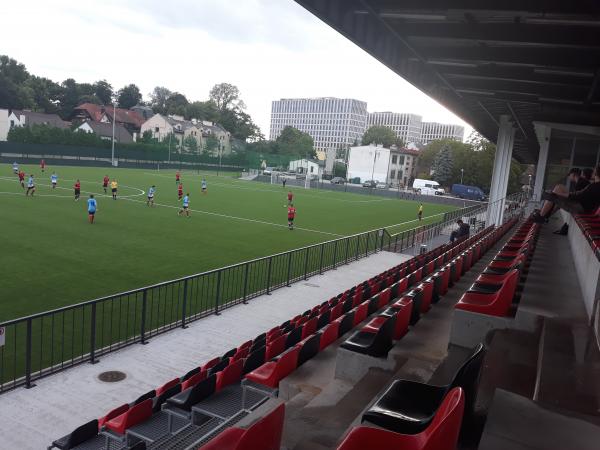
x,y
310,166
4,127
393,166
161,126
24,118
369,162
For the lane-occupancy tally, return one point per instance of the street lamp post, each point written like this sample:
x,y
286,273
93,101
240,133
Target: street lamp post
x,y
462,172
374,159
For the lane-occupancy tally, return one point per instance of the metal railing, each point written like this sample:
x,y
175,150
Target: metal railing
x,y
48,342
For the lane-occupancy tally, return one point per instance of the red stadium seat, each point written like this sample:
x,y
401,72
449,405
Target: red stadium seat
x,y
276,347
168,385
265,434
309,328
116,412
137,414
272,372
441,434
230,374
360,313
494,300
193,380
329,334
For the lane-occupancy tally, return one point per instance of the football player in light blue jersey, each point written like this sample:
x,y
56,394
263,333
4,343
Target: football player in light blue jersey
x,y
151,192
54,179
185,208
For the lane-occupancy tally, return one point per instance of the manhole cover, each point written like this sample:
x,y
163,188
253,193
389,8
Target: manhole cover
x,y
112,376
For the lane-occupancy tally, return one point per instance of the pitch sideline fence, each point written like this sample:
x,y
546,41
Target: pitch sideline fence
x,y
45,343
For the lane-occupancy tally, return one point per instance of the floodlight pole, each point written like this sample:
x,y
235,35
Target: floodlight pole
x,y
462,171
112,156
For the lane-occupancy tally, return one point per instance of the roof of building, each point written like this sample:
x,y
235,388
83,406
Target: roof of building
x,y
126,116
103,129
38,118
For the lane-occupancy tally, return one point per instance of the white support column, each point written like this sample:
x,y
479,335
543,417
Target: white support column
x,y
501,171
543,133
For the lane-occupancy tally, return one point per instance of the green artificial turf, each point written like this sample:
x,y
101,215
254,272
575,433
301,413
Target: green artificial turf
x,y
52,257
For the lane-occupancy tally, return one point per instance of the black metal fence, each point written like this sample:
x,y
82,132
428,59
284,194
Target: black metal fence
x,y
48,342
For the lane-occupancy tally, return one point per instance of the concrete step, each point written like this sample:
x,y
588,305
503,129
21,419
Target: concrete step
x,y
568,369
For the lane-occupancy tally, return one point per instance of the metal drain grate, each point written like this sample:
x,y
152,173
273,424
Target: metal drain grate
x,y
112,376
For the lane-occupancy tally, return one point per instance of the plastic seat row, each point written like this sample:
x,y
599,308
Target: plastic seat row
x,y
276,353
376,337
590,226
493,292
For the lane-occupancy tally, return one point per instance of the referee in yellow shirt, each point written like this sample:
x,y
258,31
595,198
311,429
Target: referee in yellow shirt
x,y
113,188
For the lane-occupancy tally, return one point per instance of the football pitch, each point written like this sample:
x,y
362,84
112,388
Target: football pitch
x,y
51,256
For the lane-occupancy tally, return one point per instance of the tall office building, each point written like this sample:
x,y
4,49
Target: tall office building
x,y
406,126
332,122
431,131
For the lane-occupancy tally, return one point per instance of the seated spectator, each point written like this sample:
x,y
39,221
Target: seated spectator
x,y
549,207
579,181
585,200
462,232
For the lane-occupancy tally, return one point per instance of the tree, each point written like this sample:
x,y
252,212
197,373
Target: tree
x,y
226,96
211,145
104,91
190,144
129,96
339,169
176,104
442,166
292,141
158,99
379,135
202,111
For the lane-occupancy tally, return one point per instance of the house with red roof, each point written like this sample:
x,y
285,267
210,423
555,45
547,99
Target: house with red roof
x,y
89,112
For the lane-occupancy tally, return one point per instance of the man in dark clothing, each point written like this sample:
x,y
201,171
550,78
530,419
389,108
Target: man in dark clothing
x,y
578,183
586,200
549,206
462,231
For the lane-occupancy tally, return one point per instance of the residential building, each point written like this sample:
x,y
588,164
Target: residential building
x,y
216,131
4,127
403,166
105,131
386,165
131,120
163,127
22,118
332,122
144,111
310,166
406,126
430,131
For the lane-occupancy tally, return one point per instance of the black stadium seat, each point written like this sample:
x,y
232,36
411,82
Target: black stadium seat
x,y
346,323
162,398
374,339
190,374
229,354
294,337
324,319
254,360
188,398
310,348
78,436
146,396
218,367
409,406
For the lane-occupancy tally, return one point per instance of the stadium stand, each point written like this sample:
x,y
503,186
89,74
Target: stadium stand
x,y
212,398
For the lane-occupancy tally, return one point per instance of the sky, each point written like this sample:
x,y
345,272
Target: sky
x,y
270,49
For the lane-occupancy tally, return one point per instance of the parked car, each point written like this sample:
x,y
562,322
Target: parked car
x,y
381,185
338,180
370,184
468,192
268,171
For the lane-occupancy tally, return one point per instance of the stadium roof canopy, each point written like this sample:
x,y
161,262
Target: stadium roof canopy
x,y
533,60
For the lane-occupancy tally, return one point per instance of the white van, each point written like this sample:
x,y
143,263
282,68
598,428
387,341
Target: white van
x,y
427,187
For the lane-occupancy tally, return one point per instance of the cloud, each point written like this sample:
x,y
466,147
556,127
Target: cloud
x,y
268,48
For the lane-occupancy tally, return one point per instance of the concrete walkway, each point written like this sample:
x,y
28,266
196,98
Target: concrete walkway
x,y
31,419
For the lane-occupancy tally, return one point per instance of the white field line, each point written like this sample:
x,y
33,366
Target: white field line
x,y
142,192
176,207
245,219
